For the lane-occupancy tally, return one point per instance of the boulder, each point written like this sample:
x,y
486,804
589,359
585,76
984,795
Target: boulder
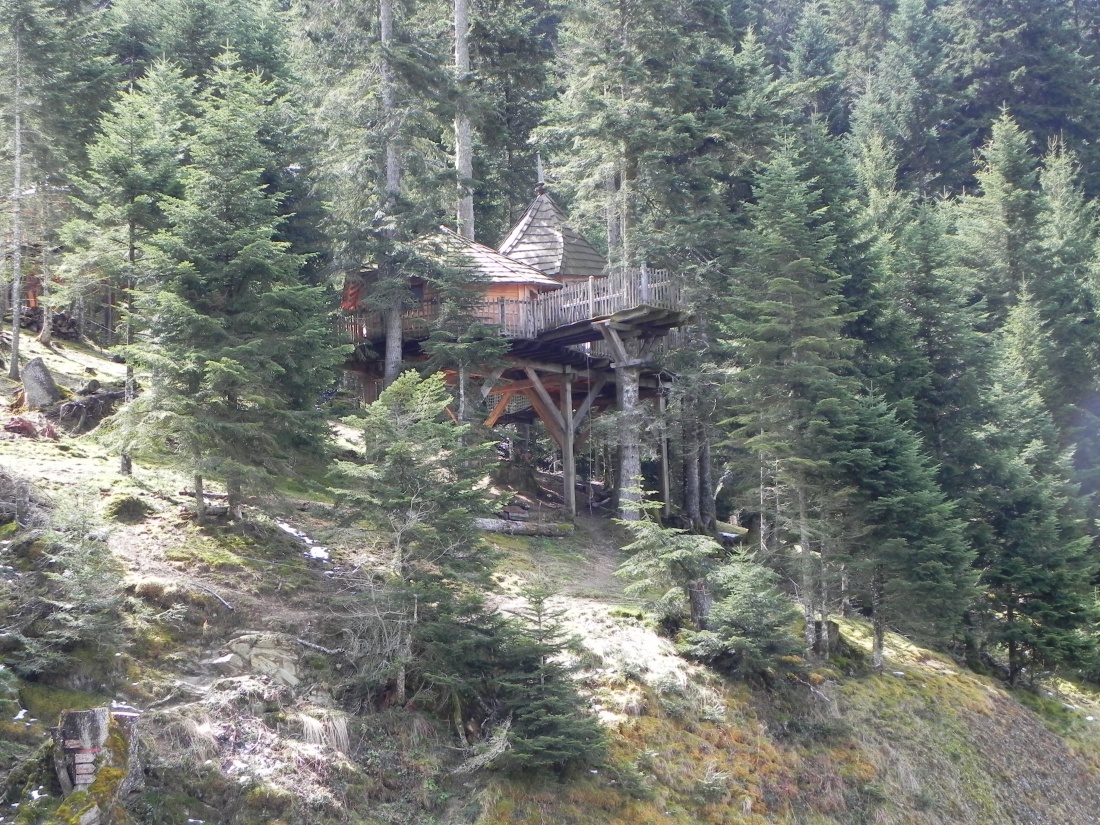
x,y
39,389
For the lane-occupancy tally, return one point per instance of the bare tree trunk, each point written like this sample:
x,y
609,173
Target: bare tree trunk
x,y
708,506
16,213
691,472
393,343
464,154
234,498
45,335
200,499
807,571
126,463
630,473
878,622
393,187
762,521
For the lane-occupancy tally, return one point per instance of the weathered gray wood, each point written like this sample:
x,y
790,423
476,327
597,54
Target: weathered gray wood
x,y
568,461
523,528
39,389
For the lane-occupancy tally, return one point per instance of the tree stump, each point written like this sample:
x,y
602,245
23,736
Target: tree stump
x,y
86,741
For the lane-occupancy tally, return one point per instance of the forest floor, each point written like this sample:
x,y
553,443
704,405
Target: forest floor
x,y
282,735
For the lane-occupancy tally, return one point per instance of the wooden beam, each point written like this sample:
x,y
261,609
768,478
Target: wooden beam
x,y
498,410
540,390
586,405
490,381
611,335
547,415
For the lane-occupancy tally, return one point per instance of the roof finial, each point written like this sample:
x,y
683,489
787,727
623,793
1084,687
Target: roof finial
x,y
540,187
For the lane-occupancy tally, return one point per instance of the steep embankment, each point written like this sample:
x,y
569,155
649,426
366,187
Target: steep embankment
x,y
243,648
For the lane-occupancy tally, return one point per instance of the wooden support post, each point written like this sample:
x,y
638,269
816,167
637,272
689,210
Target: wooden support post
x,y
544,396
568,464
666,490
591,296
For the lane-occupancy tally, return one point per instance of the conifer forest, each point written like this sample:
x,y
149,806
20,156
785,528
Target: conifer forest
x,y
835,374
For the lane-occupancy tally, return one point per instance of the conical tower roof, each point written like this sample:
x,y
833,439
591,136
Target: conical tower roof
x,y
543,240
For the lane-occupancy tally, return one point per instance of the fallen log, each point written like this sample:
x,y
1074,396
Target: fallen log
x,y
523,528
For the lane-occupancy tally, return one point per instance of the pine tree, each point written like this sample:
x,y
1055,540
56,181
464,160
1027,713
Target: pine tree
x,y
552,726
133,168
997,236
749,628
1036,561
238,348
382,100
907,557
420,484
784,326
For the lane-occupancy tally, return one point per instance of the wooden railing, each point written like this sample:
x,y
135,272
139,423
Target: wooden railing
x,y
579,301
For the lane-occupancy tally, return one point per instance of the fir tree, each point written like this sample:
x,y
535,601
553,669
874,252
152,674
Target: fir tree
x,y
907,556
238,348
420,484
552,726
785,327
133,167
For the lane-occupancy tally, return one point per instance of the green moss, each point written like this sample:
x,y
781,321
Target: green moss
x,y
1054,714
46,703
128,509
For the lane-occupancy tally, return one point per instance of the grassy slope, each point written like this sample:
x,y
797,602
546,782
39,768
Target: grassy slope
x,y
925,742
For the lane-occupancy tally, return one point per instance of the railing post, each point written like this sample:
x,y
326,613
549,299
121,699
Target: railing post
x,y
645,283
591,296
501,301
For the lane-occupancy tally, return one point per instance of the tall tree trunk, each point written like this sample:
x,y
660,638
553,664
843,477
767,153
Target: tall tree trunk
x,y
807,572
878,622
691,472
464,153
761,519
392,367
630,473
393,188
45,335
16,213
126,463
707,504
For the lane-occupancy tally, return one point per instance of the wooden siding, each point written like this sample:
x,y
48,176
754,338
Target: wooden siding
x,y
519,318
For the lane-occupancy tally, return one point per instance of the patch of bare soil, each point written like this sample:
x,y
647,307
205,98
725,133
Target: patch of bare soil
x,y
593,576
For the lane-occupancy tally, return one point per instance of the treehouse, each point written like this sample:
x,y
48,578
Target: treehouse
x,y
580,339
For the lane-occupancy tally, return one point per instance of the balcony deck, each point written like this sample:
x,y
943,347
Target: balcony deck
x,y
649,298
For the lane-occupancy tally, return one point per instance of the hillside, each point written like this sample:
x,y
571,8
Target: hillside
x,y
234,640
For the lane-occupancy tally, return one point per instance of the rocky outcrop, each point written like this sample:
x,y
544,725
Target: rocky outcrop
x,y
269,654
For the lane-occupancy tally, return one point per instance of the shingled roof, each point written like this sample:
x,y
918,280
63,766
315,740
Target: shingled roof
x,y
487,263
543,240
